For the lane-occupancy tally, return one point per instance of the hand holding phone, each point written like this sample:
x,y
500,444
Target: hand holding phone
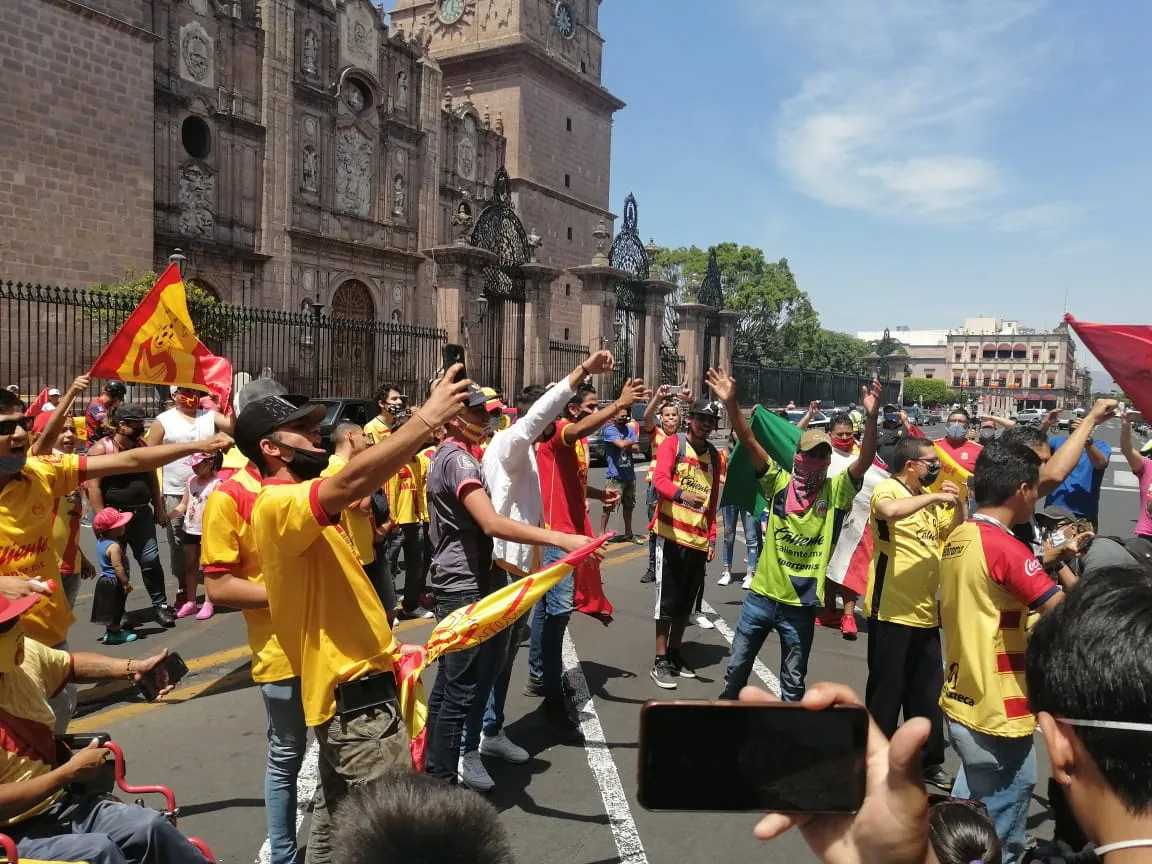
x,y
156,676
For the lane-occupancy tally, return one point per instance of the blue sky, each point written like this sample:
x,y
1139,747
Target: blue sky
x,y
917,161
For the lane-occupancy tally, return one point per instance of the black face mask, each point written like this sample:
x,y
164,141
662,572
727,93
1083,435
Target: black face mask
x,y
307,464
931,476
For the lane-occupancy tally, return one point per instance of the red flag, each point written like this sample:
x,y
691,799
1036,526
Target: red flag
x,y
40,402
158,344
1125,352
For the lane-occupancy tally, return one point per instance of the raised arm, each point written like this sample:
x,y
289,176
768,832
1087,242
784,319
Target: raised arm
x,y
480,508
658,397
1135,460
870,401
809,415
141,459
367,471
548,407
1057,469
724,388
60,415
632,393
895,509
1050,420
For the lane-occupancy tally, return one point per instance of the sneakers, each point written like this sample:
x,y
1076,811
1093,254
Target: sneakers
x,y
164,616
648,577
747,583
703,622
473,774
499,745
416,614
187,608
559,718
663,673
848,629
939,778
725,578
120,637
679,667
640,540
206,611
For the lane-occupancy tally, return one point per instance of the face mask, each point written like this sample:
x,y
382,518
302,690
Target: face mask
x,y
11,650
811,471
987,434
188,401
306,464
844,446
12,465
932,476
955,431
473,433
1057,538
891,420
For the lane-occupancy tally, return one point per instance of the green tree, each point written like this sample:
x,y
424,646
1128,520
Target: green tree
x,y
838,352
933,391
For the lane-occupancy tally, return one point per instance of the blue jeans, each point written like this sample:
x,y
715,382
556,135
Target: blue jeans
x,y
494,710
549,619
650,499
287,741
495,665
140,537
759,616
1000,773
752,537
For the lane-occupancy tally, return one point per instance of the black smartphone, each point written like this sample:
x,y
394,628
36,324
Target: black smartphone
x,y
736,756
175,667
454,354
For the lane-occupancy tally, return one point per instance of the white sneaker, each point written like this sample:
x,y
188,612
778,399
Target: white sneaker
x,y
747,583
725,578
704,622
473,774
499,745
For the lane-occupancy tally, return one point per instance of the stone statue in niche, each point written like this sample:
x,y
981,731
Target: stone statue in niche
x,y
360,38
311,51
353,172
466,150
402,90
310,170
399,198
197,189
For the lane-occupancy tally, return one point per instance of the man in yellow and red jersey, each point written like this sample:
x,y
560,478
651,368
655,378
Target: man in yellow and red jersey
x,y
661,419
407,501
390,401
687,483
989,582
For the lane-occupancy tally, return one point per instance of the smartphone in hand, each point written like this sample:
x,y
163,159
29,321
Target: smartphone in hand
x,y
758,757
173,667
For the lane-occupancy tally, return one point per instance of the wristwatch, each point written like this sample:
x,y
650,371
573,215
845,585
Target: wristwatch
x,y
1090,442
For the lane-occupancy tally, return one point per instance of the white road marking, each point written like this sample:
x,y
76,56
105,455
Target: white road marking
x,y
762,671
628,843
1122,478
306,782
1119,489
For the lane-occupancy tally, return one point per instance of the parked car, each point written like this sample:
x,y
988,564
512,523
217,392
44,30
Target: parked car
x,y
914,413
595,441
1031,416
358,411
934,416
820,421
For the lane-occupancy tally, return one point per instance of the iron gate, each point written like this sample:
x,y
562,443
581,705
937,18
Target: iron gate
x,y
497,341
629,336
711,294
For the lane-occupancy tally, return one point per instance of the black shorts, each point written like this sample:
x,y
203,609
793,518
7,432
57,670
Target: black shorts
x,y
189,539
679,576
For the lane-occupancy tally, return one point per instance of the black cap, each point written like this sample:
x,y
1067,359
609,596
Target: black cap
x,y
891,409
129,412
477,398
115,389
1055,515
263,416
704,408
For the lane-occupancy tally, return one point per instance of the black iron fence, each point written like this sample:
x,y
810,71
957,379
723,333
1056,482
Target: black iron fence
x,y
774,386
48,335
563,357
673,366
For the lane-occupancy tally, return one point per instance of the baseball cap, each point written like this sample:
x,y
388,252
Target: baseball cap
x,y
477,398
704,408
1055,515
810,439
53,392
493,402
129,411
110,518
261,418
13,388
258,388
10,609
196,458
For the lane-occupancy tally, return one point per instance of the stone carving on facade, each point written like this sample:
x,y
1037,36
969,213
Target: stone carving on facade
x,y
402,90
499,14
466,149
310,126
311,51
197,191
353,172
196,55
360,38
309,169
399,197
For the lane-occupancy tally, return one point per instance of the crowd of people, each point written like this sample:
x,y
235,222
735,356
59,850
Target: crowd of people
x,y
475,494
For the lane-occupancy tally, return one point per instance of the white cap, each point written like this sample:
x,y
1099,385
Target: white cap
x,y
53,392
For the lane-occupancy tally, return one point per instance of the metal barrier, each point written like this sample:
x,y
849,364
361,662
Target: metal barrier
x,y
49,335
563,357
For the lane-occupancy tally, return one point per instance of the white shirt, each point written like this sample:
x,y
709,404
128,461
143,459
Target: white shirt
x,y
179,429
513,480
198,492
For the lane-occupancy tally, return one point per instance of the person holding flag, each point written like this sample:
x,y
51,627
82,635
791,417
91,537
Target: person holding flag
x,y
324,610
788,588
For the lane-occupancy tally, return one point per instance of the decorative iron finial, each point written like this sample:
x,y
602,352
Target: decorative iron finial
x,y
499,123
468,91
487,116
601,234
448,98
651,248
535,241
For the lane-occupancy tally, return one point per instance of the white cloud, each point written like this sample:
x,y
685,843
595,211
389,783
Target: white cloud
x,y
895,102
1040,219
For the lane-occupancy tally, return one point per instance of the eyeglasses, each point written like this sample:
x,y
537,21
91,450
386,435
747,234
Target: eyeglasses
x,y
931,463
8,427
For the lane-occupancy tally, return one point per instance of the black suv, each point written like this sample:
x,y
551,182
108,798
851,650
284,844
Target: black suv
x,y
358,411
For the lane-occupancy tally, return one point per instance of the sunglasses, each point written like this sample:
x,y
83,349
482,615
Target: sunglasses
x,y
7,427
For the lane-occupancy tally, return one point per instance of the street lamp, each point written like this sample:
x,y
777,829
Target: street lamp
x,y
314,308
179,259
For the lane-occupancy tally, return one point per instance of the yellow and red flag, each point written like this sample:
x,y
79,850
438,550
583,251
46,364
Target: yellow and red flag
x,y
158,344
952,470
39,403
468,627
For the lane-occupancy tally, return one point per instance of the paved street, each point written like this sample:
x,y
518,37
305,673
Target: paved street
x,y
572,804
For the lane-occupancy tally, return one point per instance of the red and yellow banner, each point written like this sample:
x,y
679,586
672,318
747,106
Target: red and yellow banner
x,y
468,627
952,470
158,344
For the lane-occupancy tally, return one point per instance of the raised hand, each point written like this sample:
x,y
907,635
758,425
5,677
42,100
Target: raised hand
x,y
599,362
446,399
634,391
721,384
871,400
79,384
1104,409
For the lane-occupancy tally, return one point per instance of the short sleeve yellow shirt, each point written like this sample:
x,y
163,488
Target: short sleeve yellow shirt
x,y
325,612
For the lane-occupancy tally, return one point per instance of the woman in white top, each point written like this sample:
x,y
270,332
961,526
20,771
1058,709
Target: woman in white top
x,y
187,421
